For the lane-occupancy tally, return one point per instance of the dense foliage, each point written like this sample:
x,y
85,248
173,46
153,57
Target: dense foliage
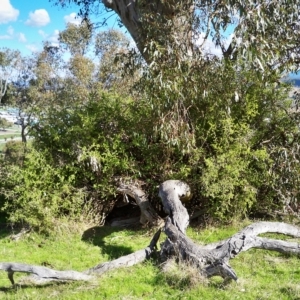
x,y
224,124
5,124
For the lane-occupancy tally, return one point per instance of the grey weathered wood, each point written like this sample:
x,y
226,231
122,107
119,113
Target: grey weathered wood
x,y
43,275
211,260
148,214
42,272
170,193
248,238
127,260
124,261
16,237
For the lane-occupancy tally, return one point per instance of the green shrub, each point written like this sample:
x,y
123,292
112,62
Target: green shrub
x,y
224,142
14,152
5,124
37,193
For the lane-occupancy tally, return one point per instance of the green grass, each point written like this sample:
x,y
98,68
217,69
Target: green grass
x,y
9,136
262,274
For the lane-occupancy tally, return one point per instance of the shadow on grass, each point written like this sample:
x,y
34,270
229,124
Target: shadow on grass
x,y
290,292
96,236
14,288
5,229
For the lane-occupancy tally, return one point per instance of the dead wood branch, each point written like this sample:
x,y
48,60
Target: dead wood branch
x,y
42,272
45,275
170,192
22,233
211,260
248,238
127,260
148,214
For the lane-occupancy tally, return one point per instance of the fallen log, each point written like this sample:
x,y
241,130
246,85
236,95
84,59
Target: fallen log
x,y
211,260
127,260
44,275
170,193
42,272
148,214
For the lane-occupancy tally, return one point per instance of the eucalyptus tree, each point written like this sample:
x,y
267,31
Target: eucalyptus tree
x,y
113,47
10,61
35,81
21,74
262,31
76,38
5,124
223,114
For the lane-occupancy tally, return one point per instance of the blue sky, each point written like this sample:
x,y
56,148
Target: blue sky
x,y
24,24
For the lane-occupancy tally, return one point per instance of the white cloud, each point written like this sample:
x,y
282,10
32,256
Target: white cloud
x,y
208,46
53,38
10,30
12,35
32,48
7,12
38,18
9,35
22,38
5,37
42,33
73,18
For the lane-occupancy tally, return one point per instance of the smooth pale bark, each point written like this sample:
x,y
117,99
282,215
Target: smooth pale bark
x,y
213,259
163,22
127,260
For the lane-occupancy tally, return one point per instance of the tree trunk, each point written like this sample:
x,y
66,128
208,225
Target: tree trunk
x,y
23,133
156,24
3,88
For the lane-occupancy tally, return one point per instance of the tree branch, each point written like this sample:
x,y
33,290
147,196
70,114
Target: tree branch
x,y
148,214
210,260
42,272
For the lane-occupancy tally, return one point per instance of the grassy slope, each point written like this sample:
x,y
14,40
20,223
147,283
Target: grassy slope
x,y
262,274
9,134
